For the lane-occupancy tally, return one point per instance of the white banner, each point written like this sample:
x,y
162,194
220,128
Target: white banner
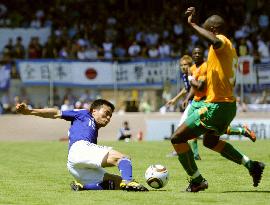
x,y
145,73
74,73
150,73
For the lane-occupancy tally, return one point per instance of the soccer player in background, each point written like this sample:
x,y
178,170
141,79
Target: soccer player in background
x,y
184,64
214,116
86,159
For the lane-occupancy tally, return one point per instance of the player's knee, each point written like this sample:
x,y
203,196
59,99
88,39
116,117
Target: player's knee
x,y
125,157
209,143
177,138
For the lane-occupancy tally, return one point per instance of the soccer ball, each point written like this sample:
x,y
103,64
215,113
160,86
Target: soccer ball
x,y
156,176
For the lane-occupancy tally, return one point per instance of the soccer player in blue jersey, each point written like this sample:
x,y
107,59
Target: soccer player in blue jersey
x,y
86,159
184,64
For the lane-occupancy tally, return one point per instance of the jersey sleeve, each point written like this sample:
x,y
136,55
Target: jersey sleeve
x,y
224,42
70,115
203,74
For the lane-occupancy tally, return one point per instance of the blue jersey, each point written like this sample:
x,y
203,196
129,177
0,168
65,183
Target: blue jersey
x,y
83,126
186,82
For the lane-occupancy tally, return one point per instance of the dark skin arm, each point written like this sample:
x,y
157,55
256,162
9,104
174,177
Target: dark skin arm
x,y
197,85
209,36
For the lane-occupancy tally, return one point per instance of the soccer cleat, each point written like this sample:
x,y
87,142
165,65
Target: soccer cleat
x,y
195,187
249,133
76,186
256,172
132,186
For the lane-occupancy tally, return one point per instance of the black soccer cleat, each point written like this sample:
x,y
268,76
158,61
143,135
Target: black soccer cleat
x,y
196,187
256,172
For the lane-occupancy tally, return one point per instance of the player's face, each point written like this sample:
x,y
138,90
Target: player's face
x,y
197,55
102,115
184,65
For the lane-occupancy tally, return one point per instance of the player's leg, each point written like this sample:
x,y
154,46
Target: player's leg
x,y
194,143
93,179
124,164
242,130
219,118
190,128
182,120
226,150
84,163
195,149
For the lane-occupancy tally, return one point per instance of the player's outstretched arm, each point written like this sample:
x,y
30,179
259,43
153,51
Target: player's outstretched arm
x,y
209,36
46,112
177,97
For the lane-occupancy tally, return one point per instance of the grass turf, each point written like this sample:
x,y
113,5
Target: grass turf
x,y
35,173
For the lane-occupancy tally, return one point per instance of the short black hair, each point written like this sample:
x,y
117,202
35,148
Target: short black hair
x,y
100,102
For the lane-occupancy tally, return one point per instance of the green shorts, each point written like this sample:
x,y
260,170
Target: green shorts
x,y
195,105
204,117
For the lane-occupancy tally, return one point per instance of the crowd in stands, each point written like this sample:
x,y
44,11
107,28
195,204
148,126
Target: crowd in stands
x,y
126,30
87,29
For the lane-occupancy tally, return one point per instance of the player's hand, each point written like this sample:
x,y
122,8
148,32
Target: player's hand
x,y
22,108
170,102
190,13
184,104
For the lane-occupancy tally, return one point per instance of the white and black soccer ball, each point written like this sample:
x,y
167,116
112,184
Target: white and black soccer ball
x,y
157,176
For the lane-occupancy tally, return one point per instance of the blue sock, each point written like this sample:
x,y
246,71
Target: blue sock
x,y
125,168
95,186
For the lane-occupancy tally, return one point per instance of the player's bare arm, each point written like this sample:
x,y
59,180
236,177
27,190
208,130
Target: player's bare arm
x,y
46,112
177,97
204,32
197,84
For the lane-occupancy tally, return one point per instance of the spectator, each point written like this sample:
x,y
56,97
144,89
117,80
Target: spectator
x,y
8,48
49,50
19,50
69,96
263,51
243,49
124,132
153,52
134,49
78,105
67,105
164,49
107,47
120,52
34,48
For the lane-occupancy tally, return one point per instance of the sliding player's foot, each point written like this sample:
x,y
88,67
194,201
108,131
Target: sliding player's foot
x,y
76,186
132,186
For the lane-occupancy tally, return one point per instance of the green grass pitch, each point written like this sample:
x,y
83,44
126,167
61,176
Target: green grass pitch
x,y
35,173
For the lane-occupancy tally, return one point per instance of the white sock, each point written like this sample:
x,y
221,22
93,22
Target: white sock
x,y
245,159
196,174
